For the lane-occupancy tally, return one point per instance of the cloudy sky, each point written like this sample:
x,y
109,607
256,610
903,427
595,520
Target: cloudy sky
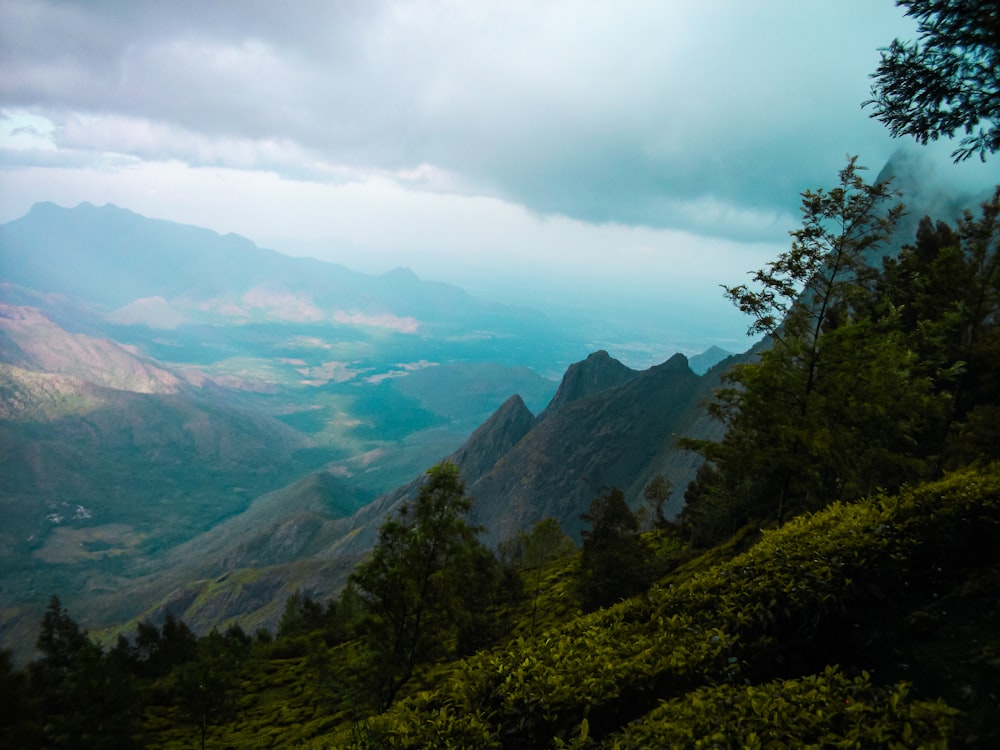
x,y
640,145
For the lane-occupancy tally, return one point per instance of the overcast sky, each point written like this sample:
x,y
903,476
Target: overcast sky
x,y
635,143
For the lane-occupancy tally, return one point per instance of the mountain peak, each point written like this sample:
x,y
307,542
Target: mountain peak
x,y
598,372
494,438
702,363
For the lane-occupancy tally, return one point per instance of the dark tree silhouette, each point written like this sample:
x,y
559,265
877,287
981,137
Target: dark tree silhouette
x,y
947,81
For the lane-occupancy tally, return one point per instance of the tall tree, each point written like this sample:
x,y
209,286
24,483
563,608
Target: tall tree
x,y
417,584
947,80
946,287
827,411
613,561
204,688
87,699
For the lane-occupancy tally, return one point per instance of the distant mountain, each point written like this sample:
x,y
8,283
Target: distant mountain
x,y
32,341
163,275
702,363
177,405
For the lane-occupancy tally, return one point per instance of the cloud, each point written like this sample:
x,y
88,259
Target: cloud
x,y
708,116
654,147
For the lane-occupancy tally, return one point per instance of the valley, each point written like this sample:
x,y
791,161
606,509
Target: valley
x,y
173,414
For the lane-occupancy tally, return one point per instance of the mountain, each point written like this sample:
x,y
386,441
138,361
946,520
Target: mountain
x,y
614,427
32,341
177,406
617,436
163,275
194,423
702,363
596,373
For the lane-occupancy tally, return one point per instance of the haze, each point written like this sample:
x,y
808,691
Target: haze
x,y
580,153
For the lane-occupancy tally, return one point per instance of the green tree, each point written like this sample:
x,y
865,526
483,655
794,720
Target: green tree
x,y
613,560
19,722
204,688
421,584
85,698
831,409
302,615
946,287
656,493
531,551
155,652
947,80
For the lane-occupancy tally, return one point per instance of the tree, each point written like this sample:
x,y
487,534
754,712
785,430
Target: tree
x,y
948,80
656,494
613,559
19,723
831,409
204,688
156,652
531,551
420,585
86,699
947,288
302,615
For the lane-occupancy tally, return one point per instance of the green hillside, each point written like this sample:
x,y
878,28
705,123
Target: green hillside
x,y
872,624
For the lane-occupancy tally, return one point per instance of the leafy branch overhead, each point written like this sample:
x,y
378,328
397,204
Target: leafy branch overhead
x,y
948,81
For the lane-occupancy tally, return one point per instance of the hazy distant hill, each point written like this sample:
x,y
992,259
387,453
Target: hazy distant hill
x,y
156,379
702,363
161,274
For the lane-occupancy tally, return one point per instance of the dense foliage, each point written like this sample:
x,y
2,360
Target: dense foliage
x,y
871,377
427,586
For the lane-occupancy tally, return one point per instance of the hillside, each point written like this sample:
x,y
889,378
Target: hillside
x,y
871,624
617,423
156,379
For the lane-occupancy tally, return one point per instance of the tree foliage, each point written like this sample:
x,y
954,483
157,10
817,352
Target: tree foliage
x,y
613,560
946,287
947,81
872,378
83,698
830,398
204,688
426,582
656,493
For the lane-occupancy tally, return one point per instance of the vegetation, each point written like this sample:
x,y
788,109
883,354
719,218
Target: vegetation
x,y
872,377
427,584
833,579
613,561
947,81
748,644
864,437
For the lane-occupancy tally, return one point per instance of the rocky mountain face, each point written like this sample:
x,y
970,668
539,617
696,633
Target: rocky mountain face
x,y
614,427
620,435
595,374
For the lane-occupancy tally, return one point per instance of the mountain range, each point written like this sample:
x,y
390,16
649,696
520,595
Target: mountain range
x,y
193,423
190,422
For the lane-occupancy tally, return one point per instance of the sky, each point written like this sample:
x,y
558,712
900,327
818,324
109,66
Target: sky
x,y
649,150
